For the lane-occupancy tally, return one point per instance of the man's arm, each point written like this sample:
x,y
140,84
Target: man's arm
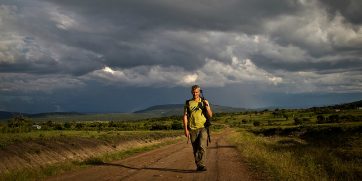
x,y
208,108
185,124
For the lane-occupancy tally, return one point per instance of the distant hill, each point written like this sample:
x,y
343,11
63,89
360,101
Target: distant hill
x,y
74,116
351,105
151,112
51,114
177,109
7,115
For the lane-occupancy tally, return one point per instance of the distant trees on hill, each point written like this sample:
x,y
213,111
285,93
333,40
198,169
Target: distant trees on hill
x,y
22,124
335,118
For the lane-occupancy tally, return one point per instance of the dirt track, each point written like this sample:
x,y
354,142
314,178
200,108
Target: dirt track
x,y
173,162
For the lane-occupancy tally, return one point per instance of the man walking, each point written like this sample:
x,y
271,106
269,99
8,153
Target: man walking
x,y
196,112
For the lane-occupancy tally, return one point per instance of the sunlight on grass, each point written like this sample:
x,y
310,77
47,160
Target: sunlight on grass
x,y
286,158
56,169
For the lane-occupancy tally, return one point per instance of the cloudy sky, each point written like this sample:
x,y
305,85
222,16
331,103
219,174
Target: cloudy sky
x,y
122,56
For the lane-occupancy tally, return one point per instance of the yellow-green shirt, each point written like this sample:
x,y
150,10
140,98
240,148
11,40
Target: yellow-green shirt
x,y
196,119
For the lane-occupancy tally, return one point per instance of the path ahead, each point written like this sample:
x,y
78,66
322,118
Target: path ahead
x,y
172,162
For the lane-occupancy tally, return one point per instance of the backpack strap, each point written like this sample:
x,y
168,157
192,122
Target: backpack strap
x,y
188,108
204,112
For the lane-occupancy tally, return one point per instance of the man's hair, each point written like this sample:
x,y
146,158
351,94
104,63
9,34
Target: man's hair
x,y
195,87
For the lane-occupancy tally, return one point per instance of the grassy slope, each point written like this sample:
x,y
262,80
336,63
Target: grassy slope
x,y
109,140
284,151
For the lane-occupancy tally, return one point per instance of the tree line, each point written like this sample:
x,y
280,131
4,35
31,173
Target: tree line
x,y
19,123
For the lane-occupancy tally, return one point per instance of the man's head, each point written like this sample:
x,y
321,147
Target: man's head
x,y
195,91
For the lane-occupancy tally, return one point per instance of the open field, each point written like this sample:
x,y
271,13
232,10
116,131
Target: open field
x,y
300,144
282,144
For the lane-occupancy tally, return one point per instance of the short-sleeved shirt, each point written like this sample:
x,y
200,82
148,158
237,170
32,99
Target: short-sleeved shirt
x,y
196,119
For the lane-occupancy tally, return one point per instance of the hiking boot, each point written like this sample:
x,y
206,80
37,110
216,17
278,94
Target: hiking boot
x,y
201,168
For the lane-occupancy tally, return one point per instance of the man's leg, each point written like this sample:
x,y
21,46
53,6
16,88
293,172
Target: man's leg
x,y
195,142
199,139
202,150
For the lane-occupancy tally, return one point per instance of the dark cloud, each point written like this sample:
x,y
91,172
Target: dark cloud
x,y
136,32
196,15
147,46
350,9
101,98
342,64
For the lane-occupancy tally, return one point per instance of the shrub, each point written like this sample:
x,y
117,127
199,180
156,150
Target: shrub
x,y
49,124
305,120
333,118
67,125
19,121
79,126
256,123
176,125
297,121
112,124
159,126
321,119
58,127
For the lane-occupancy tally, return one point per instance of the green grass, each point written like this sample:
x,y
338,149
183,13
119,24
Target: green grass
x,y
281,149
11,138
56,169
293,158
278,148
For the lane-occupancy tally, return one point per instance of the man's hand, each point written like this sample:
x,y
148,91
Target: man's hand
x,y
208,108
187,134
206,103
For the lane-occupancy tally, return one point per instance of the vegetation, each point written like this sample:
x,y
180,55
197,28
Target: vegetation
x,y
19,124
319,143
22,130
41,173
304,144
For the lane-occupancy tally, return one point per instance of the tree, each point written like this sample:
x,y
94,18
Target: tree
x,y
321,119
79,126
58,127
176,125
286,116
298,121
67,125
333,118
19,121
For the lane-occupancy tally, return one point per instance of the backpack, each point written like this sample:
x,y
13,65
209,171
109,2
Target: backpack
x,y
208,121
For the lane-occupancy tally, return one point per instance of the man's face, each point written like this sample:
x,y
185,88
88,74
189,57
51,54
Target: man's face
x,y
196,93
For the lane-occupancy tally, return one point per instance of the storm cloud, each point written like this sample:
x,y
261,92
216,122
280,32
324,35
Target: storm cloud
x,y
281,47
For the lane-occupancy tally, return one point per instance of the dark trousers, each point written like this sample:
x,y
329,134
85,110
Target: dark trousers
x,y
198,139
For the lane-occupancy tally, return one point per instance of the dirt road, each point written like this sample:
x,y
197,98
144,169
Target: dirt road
x,y
172,162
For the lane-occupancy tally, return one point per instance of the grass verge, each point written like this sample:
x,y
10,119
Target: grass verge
x,y
292,158
56,169
110,136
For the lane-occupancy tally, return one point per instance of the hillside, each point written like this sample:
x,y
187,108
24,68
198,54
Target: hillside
x,y
74,116
352,105
177,109
151,112
7,115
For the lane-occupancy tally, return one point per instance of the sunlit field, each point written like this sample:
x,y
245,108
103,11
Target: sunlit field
x,y
281,144
311,144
